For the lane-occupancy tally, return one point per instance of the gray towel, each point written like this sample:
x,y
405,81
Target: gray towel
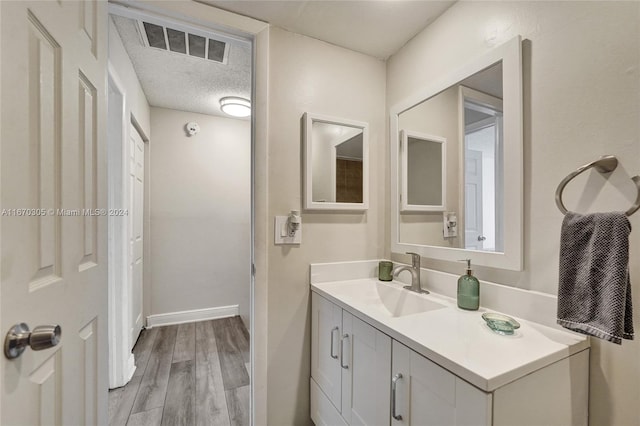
x,y
594,294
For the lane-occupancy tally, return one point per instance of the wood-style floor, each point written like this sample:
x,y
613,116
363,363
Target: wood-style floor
x,y
187,374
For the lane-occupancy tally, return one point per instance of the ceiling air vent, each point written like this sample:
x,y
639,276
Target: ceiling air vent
x,y
187,43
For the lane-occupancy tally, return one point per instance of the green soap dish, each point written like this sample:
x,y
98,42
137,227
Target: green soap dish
x,y
500,324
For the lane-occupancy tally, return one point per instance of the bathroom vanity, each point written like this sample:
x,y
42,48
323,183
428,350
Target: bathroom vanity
x,y
384,356
381,355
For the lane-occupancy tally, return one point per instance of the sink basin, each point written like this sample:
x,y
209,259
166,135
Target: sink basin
x,y
390,299
398,302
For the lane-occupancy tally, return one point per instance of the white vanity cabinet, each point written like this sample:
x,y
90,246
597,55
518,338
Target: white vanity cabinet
x,y
361,376
350,368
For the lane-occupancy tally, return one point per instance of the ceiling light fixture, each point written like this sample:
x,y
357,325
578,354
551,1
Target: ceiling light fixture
x,y
236,107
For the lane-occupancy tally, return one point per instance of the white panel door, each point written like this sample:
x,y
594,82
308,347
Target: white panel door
x,y
326,329
366,373
473,200
53,185
136,210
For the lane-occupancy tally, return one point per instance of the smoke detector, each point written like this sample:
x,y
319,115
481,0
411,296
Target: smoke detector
x,y
192,128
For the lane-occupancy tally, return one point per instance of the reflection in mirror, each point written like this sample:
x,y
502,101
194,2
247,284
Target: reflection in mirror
x,y
423,177
477,108
483,224
335,163
469,116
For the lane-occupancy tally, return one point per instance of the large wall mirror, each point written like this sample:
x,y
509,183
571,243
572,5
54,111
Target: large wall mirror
x,y
456,164
336,163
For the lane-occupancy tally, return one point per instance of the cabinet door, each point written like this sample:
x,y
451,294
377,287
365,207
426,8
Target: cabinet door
x,y
427,394
323,413
326,329
366,369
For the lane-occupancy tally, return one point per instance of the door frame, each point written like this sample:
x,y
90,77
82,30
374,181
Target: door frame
x,y
494,107
201,15
121,360
2,359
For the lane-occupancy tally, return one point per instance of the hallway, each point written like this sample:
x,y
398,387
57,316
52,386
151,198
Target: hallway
x,y
187,374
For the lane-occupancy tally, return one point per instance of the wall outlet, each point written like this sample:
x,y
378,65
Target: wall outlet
x,y
282,234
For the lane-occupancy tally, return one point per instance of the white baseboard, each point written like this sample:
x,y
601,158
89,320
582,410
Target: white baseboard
x,y
171,318
131,367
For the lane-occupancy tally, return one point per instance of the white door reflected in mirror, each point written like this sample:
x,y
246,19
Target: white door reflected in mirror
x,y
483,171
335,163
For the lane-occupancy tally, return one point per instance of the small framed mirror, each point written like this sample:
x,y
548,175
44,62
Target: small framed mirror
x,y
423,163
336,163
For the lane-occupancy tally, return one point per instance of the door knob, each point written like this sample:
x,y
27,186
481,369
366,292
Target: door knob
x,y
481,238
19,337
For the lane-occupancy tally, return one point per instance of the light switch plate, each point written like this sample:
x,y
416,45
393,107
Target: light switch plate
x,y
279,229
449,224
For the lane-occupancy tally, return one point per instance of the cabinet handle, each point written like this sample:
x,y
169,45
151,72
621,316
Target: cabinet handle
x,y
344,337
394,385
332,340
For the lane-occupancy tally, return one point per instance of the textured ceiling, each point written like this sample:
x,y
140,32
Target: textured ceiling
x,y
178,81
377,28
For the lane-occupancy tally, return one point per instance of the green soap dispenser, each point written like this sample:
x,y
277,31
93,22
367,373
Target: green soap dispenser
x,y
468,290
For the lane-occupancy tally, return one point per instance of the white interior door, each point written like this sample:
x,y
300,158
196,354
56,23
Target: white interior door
x,y
499,180
53,185
473,200
136,215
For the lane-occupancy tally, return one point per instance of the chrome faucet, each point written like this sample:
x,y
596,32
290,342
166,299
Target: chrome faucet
x,y
415,273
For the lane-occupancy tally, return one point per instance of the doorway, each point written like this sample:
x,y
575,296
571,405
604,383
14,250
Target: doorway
x,y
483,173
195,234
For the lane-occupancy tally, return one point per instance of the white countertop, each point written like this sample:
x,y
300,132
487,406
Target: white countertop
x,y
456,339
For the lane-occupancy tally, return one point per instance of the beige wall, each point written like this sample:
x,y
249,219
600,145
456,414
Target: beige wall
x,y
200,212
581,100
306,75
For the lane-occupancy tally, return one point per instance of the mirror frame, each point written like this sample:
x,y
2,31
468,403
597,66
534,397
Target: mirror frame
x,y
510,53
307,173
405,134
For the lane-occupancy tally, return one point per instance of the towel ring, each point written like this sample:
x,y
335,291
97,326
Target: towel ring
x,y
605,164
